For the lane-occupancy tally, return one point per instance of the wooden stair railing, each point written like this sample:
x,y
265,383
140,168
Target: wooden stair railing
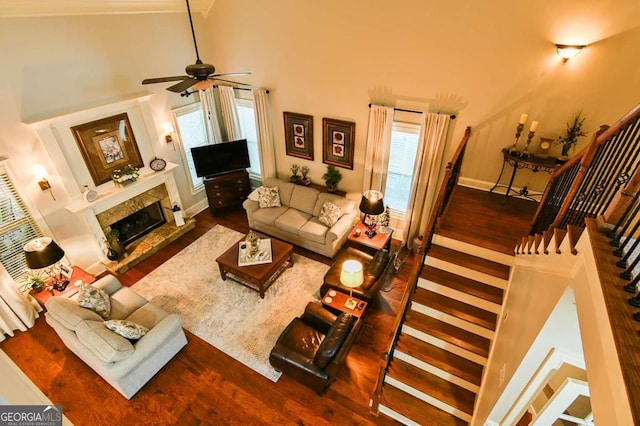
x,y
586,185
449,182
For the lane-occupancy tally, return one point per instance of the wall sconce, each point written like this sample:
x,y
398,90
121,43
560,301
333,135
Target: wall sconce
x,y
168,131
41,174
568,51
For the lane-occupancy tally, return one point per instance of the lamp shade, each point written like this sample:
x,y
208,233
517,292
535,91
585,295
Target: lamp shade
x,y
42,252
351,274
371,202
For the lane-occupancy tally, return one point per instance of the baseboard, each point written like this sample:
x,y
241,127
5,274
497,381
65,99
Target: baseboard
x,y
486,186
197,208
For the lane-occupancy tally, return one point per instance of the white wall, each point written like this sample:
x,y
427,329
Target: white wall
x,y
59,65
487,61
490,60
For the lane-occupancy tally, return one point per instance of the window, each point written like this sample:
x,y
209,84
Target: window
x,y
402,156
247,118
17,226
190,124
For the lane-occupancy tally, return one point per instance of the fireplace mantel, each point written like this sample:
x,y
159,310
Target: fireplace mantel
x,y
116,195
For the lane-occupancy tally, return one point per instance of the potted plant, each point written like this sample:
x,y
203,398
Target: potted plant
x,y
331,178
34,281
573,132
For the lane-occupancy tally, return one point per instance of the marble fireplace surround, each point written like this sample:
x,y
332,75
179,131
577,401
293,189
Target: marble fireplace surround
x,y
120,202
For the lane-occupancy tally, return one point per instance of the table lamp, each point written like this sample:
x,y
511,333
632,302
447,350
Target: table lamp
x,y
42,253
351,276
371,205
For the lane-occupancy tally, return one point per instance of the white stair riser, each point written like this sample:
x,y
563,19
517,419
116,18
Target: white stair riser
x,y
397,416
494,256
466,272
444,345
456,322
436,371
459,295
428,399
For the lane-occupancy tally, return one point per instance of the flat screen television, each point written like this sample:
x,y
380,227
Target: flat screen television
x,y
225,157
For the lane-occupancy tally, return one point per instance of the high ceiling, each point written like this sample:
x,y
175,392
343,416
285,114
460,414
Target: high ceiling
x,y
21,8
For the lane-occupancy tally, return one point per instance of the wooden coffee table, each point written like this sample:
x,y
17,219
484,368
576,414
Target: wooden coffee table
x,y
256,277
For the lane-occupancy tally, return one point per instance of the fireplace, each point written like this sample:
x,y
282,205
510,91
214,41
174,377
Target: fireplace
x,y
139,223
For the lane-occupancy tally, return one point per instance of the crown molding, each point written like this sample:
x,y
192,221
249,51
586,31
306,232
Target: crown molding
x,y
34,8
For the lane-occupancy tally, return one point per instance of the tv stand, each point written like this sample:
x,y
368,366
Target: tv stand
x,y
227,190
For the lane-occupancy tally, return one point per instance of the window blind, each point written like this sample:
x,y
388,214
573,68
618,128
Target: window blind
x,y
17,226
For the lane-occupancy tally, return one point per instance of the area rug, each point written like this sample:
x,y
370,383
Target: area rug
x,y
226,314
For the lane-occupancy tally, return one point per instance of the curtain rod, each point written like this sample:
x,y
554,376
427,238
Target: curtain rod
x,y
240,88
453,116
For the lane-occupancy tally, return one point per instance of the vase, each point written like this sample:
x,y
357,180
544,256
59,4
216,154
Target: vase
x,y
332,187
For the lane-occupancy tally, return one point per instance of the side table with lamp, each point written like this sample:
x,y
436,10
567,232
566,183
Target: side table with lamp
x,y
351,276
364,235
44,253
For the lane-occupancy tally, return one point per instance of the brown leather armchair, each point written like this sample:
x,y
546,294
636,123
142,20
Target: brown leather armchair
x,y
313,347
373,268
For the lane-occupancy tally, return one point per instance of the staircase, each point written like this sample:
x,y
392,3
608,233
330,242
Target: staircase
x,y
437,365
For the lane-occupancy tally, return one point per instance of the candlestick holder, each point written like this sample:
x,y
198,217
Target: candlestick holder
x,y
518,133
526,152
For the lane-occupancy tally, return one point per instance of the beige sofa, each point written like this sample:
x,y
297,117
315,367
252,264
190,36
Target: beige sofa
x,y
124,365
296,220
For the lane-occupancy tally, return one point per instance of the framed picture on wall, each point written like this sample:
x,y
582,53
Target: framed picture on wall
x,y
107,145
298,135
338,140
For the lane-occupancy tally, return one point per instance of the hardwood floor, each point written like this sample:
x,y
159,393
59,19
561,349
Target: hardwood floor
x,y
202,385
487,220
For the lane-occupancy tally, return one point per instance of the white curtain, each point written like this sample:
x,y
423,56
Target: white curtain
x,y
229,112
18,311
433,135
210,111
264,132
376,160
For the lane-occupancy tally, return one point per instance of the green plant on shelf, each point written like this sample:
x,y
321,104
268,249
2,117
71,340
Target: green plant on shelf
x,y
127,175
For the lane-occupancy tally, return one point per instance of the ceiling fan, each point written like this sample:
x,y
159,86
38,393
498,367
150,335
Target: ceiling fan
x,y
199,75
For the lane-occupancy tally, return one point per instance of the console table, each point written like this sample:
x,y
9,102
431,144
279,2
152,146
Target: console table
x,y
518,161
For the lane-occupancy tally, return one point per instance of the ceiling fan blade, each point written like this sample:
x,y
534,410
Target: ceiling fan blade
x,y
229,81
164,79
230,74
183,85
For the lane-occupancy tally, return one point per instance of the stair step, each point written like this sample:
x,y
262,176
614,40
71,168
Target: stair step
x,y
475,250
469,261
464,339
466,285
455,308
440,358
415,409
429,384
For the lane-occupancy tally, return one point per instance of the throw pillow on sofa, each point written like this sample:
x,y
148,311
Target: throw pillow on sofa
x,y
93,298
329,214
127,329
269,197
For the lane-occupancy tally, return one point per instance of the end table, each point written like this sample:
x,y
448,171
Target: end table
x,y
336,303
70,290
359,240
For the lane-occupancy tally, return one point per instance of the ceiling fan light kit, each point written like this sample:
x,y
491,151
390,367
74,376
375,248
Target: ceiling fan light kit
x,y
199,74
